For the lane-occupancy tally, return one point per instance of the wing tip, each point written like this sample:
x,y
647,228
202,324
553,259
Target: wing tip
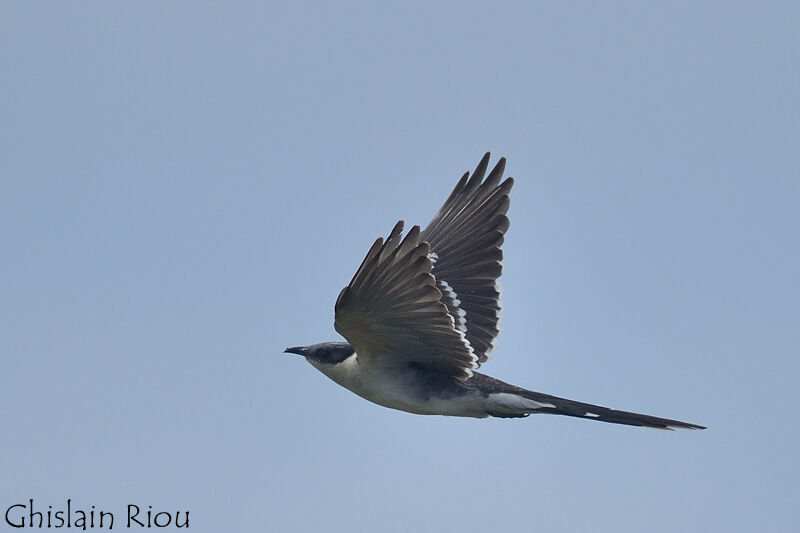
x,y
397,229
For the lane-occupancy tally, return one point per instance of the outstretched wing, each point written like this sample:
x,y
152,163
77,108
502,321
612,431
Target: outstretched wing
x,y
465,238
392,310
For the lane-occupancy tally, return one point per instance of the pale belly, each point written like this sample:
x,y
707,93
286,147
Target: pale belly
x,y
402,389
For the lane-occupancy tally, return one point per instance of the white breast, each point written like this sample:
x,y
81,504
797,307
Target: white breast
x,y
394,387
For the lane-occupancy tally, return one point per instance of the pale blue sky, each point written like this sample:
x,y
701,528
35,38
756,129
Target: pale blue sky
x,y
185,188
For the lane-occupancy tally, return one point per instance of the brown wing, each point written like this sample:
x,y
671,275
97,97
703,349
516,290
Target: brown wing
x,y
391,309
465,238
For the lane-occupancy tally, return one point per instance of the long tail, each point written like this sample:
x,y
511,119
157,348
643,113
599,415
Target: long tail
x,y
538,402
562,406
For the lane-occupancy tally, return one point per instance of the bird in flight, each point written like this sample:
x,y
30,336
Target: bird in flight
x,y
421,315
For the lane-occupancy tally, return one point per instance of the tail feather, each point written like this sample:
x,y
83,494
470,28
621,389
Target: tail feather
x,y
562,406
545,403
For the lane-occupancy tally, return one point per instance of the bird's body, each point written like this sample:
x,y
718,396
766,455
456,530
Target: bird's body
x,y
415,390
402,387
422,312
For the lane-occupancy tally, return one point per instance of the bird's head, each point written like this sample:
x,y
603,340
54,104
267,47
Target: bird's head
x,y
329,353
